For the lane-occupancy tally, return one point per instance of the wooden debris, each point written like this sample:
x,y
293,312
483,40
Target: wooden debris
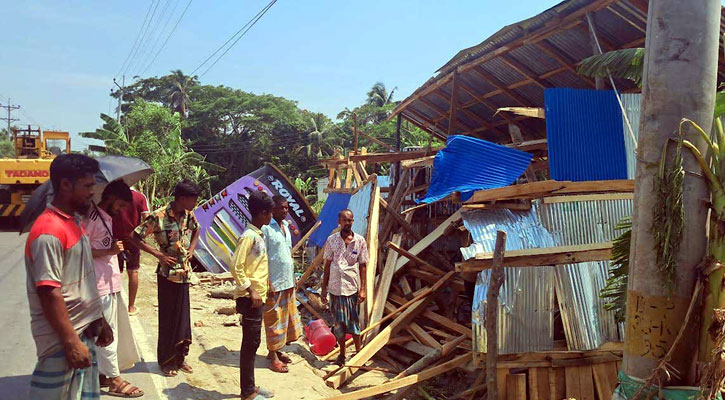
x,y
541,257
309,233
491,323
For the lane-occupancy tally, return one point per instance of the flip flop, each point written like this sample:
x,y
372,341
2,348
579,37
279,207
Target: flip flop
x,y
168,372
186,368
126,390
278,366
284,357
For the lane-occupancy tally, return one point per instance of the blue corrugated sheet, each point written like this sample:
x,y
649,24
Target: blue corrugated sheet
x,y
335,203
585,135
468,164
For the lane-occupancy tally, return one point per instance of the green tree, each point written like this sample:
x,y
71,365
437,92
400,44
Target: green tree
x,y
179,96
378,95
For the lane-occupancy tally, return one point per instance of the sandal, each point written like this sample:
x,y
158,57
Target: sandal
x,y
169,372
104,381
186,368
284,357
126,390
279,366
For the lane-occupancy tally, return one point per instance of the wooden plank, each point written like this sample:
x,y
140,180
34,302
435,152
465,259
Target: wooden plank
x,y
500,393
586,382
377,343
301,242
377,141
426,161
404,382
539,384
386,277
454,106
372,240
491,322
605,379
552,188
516,387
428,239
448,323
573,388
392,157
405,253
422,336
407,290
557,383
417,348
558,255
582,361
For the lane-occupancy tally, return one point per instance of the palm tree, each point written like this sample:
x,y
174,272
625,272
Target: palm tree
x,y
623,63
321,141
378,95
179,92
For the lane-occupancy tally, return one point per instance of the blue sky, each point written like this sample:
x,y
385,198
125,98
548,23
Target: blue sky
x,y
60,57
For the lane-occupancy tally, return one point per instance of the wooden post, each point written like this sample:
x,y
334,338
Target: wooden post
x,y
397,146
598,81
494,285
671,80
454,106
517,137
354,129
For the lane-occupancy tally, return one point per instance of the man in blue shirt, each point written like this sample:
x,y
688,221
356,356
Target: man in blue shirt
x,y
281,319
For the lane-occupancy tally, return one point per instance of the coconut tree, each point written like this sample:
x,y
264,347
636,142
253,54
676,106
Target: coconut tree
x,y
179,91
322,139
623,63
378,95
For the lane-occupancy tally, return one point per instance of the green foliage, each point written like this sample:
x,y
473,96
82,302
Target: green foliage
x,y
153,134
307,188
615,290
624,63
7,149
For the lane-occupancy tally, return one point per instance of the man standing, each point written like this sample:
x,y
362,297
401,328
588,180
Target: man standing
x,y
282,323
346,257
116,196
66,315
176,233
251,273
123,225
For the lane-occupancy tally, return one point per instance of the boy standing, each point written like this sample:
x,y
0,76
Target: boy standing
x,y
346,257
251,273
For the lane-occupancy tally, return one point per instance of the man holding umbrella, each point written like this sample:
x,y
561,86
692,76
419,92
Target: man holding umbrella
x,y
65,307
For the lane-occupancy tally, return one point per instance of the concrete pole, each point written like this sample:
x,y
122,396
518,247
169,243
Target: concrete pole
x,y
680,76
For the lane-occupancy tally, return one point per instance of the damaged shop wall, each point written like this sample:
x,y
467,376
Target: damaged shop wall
x,y
527,296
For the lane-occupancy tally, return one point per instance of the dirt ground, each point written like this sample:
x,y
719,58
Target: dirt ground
x,y
214,354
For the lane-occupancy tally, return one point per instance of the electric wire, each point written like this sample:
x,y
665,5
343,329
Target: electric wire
x,y
168,37
156,33
135,42
143,37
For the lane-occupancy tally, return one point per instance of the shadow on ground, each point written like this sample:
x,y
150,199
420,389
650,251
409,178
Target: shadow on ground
x,y
184,391
14,387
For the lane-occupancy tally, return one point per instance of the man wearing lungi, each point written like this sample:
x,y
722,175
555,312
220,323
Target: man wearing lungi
x,y
282,323
250,269
346,257
66,316
99,228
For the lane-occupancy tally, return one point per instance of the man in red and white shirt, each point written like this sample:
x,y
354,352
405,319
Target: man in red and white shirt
x,y
346,257
99,228
66,317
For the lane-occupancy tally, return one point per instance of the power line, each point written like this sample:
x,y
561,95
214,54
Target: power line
x,y
243,32
167,37
143,37
9,118
155,38
135,42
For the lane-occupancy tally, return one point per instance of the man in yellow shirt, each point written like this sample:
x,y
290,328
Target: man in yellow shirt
x,y
250,269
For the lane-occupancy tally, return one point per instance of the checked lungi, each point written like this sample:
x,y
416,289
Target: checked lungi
x,y
52,379
344,312
282,323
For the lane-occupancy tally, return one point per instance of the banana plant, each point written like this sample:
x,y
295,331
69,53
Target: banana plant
x,y
714,172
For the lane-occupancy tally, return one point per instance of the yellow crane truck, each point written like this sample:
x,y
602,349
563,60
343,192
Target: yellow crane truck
x,y
20,175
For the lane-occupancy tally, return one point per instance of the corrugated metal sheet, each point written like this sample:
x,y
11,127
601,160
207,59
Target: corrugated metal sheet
x,y
586,323
360,206
526,299
335,203
468,164
632,103
585,136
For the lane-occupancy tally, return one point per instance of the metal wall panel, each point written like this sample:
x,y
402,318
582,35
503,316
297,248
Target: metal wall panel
x,y
632,105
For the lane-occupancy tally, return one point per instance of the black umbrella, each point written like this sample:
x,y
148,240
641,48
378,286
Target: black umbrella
x,y
111,168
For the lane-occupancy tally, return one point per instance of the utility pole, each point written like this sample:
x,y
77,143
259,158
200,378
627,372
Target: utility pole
x,y
120,98
9,119
680,80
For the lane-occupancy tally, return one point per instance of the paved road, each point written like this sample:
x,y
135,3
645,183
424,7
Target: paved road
x,y
17,350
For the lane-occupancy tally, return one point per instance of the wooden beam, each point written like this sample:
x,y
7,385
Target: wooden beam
x,y
429,239
488,104
386,278
627,20
306,236
522,69
378,158
552,188
376,140
547,256
433,129
491,323
517,137
454,106
426,161
407,381
588,197
372,241
500,86
405,253
440,93
594,42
